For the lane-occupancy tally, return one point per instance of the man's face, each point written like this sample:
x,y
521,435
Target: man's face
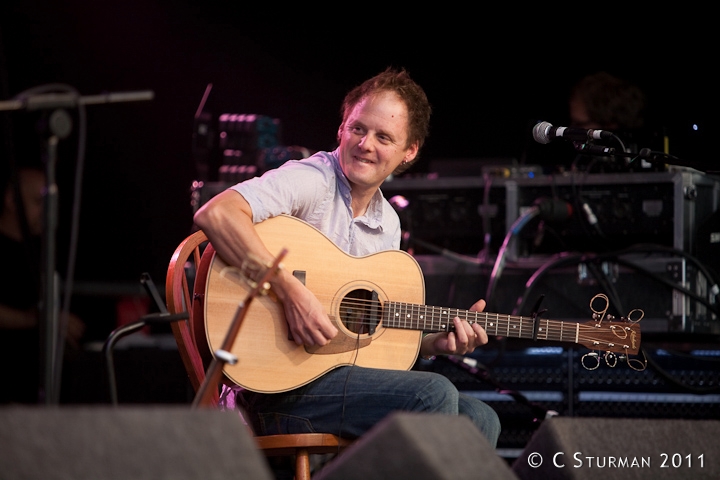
x,y
32,188
373,140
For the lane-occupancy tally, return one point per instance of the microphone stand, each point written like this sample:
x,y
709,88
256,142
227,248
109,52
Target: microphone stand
x,y
60,126
204,395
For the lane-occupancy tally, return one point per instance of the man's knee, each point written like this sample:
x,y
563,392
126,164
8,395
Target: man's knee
x,y
483,416
438,395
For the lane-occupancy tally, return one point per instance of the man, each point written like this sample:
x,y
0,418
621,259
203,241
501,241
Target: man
x,y
603,101
385,121
22,202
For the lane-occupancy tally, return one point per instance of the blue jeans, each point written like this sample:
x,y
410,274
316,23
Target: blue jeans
x,y
348,401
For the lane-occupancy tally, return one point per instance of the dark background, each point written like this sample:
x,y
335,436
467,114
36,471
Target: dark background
x,y
489,77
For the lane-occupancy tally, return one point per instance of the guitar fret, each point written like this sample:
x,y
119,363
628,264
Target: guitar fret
x,y
539,328
513,325
442,325
395,316
488,324
481,314
556,336
577,332
547,333
560,337
520,327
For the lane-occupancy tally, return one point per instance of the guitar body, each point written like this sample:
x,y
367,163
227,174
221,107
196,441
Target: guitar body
x,y
268,360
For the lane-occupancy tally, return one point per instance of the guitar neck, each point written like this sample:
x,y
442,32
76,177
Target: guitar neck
x,y
438,319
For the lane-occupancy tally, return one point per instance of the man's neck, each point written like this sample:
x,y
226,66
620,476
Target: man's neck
x,y
360,200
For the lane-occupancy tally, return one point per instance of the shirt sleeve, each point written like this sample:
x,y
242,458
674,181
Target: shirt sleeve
x,y
297,188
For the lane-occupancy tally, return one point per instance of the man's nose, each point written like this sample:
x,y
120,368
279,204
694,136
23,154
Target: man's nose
x,y
367,142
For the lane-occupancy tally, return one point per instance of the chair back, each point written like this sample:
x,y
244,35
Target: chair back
x,y
185,290
179,293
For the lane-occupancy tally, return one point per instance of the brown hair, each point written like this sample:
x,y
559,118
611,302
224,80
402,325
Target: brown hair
x,y
411,93
611,101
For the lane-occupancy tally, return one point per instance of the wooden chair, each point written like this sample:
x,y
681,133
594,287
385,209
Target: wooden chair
x,y
185,267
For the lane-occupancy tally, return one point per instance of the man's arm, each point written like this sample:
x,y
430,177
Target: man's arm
x,y
16,319
227,221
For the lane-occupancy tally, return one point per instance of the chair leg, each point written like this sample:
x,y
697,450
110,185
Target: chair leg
x,y
302,464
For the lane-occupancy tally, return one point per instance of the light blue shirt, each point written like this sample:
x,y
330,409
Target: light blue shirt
x,y
316,190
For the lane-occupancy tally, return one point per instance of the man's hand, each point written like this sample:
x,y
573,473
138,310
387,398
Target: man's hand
x,y
307,321
75,331
464,339
227,220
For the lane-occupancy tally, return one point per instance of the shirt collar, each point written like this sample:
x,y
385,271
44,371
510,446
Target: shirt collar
x,y
374,215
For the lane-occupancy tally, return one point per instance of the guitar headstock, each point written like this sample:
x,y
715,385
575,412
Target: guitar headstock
x,y
621,336
604,332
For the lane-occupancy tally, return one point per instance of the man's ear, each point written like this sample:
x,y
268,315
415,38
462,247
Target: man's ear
x,y
411,153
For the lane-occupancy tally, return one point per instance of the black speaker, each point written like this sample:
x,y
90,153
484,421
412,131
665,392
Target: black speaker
x,y
620,448
99,443
419,446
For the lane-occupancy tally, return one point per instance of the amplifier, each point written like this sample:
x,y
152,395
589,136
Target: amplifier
x,y
460,214
655,282
614,211
609,211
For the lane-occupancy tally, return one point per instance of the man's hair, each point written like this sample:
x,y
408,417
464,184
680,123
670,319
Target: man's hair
x,y
610,100
399,82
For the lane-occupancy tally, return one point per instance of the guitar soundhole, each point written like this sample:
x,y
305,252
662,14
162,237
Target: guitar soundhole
x,y
360,311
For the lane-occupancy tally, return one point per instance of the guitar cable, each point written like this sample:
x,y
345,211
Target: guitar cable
x,y
347,380
482,373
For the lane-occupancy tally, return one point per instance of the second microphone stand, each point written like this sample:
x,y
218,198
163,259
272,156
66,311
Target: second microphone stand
x,y
223,356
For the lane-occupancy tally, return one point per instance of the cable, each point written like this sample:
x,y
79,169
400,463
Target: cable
x,y
675,381
514,230
565,258
345,386
556,260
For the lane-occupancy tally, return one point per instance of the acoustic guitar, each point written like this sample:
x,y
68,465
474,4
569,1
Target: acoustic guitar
x,y
375,301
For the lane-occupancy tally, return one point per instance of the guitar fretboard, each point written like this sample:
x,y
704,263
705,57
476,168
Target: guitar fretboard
x,y
438,319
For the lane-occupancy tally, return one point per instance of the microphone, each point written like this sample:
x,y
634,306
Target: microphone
x,y
544,132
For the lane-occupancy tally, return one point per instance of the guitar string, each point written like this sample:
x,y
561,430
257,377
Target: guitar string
x,y
502,322
359,302
489,316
